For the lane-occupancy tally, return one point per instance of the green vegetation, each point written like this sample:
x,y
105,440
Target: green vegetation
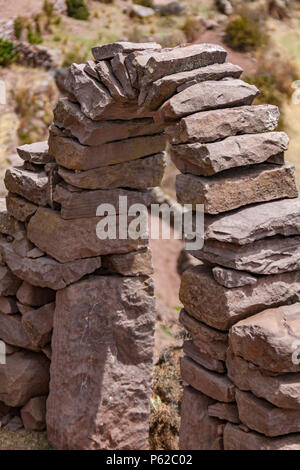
x,y
244,35
77,9
7,53
19,25
34,36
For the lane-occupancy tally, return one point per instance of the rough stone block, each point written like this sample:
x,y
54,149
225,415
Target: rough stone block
x,y
214,385
108,51
224,411
198,431
135,263
37,153
269,339
99,393
34,296
231,278
25,375
32,186
33,414
209,302
19,208
222,192
138,174
204,360
38,324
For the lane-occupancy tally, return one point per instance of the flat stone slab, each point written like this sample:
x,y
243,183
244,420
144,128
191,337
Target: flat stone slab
x,y
282,390
37,153
236,438
108,51
267,419
198,430
248,224
216,386
222,193
163,88
68,116
25,375
224,411
232,278
80,203
74,156
271,255
32,186
204,360
107,78
20,208
209,341
269,339
209,126
138,174
228,306
91,405
69,240
155,65
46,272
237,151
205,96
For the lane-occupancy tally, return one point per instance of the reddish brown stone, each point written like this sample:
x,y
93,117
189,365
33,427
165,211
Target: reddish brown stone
x,y
38,324
34,296
198,431
34,414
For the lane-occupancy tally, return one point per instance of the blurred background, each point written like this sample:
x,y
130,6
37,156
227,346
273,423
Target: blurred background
x,y
39,39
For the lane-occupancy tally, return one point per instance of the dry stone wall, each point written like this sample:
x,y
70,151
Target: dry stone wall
x,y
86,305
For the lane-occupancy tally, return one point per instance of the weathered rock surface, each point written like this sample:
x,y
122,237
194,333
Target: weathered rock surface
x,y
8,305
214,385
68,116
121,72
269,339
282,391
199,292
137,174
237,187
224,411
207,95
236,438
211,342
34,296
8,224
19,208
25,375
108,79
32,186
108,51
198,430
140,11
34,414
74,156
135,263
203,359
68,240
166,86
99,393
77,203
248,224
231,278
38,324
267,256
14,424
91,95
12,332
46,272
237,151
37,153
265,418
9,283
178,59
213,125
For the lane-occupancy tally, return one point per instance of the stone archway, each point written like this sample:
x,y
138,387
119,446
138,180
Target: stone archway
x,y
107,141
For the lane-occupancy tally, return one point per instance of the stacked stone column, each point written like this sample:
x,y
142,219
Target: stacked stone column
x,y
241,367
